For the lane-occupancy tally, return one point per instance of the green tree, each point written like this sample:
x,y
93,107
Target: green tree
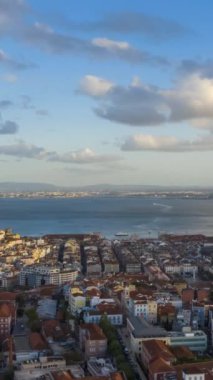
x,y
31,314
35,325
120,359
125,367
114,347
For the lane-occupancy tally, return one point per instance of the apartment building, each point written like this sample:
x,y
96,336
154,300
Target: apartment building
x,y
92,341
143,306
7,315
38,275
113,312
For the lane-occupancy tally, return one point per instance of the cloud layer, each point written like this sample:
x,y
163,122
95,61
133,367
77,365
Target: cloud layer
x,y
167,144
139,104
153,27
8,127
7,61
85,156
15,23
46,38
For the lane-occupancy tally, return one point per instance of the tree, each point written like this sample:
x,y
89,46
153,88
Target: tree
x,y
35,326
115,347
125,367
33,320
31,314
120,359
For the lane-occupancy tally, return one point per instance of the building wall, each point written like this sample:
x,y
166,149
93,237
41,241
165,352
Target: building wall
x,y
95,348
196,343
136,343
76,303
194,376
5,326
115,319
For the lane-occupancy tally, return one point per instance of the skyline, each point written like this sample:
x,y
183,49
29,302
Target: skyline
x,y
106,93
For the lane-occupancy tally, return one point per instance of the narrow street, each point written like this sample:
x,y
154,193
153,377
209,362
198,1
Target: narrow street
x,y
131,357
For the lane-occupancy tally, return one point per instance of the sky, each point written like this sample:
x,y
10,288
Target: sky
x,y
114,92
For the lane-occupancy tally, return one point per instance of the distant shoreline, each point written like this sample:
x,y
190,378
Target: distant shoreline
x,y
78,195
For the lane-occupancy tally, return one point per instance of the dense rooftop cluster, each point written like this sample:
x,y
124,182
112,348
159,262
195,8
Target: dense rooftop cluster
x,y
82,306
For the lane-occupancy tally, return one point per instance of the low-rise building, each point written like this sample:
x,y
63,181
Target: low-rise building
x,y
92,340
113,313
7,318
144,306
196,341
140,330
155,348
77,301
38,275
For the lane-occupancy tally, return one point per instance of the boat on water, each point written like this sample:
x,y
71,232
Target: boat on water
x,y
122,234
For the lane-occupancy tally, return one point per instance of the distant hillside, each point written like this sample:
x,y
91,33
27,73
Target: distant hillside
x,y
16,187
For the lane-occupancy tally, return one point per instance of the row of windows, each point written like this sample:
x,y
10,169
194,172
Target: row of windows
x,y
195,378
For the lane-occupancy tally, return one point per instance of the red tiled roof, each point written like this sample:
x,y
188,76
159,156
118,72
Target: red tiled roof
x,y
36,341
62,375
52,328
6,310
157,348
8,296
94,331
159,365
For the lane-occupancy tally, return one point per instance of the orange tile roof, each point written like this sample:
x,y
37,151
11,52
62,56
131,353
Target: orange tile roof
x,y
205,367
117,376
182,352
157,348
109,308
160,365
62,375
5,310
53,328
94,331
8,296
36,341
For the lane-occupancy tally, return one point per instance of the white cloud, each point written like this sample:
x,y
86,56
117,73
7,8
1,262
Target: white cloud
x,y
85,156
167,143
139,104
111,44
95,86
15,23
192,98
46,38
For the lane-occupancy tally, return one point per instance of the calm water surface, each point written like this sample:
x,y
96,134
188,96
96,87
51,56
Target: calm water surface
x,y
108,215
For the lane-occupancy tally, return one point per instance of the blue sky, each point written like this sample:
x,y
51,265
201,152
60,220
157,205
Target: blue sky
x,y
114,92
